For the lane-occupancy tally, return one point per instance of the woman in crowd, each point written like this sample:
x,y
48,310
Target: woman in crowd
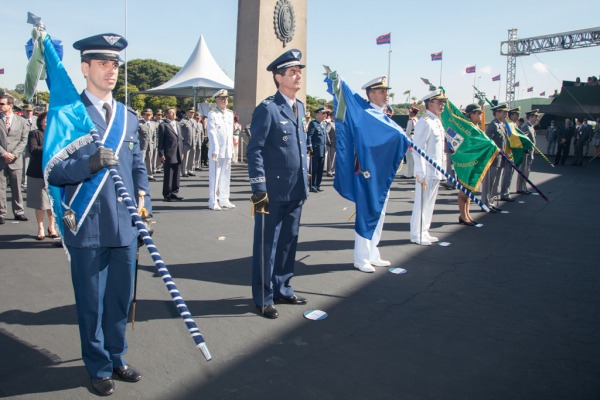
x,y
37,195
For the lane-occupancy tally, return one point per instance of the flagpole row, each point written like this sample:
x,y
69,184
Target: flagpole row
x,y
184,312
512,164
451,178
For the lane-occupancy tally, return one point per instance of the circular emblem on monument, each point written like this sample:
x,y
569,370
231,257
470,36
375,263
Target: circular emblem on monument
x,y
285,21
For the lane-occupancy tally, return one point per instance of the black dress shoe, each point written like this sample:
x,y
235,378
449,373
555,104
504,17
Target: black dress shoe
x,y
468,223
151,178
522,192
21,217
167,199
313,190
269,312
294,300
104,386
2,221
175,197
128,374
320,190
509,199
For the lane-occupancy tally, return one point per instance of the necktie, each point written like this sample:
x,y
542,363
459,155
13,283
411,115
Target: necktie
x,y
108,109
7,124
295,110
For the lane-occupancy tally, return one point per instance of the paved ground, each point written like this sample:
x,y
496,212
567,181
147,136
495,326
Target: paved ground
x,y
510,310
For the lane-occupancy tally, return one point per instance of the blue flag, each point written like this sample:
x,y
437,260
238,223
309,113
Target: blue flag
x,y
68,125
369,149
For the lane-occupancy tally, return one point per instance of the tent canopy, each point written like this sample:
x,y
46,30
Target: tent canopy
x,y
201,76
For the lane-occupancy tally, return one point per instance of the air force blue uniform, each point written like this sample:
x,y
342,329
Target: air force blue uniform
x,y
316,142
103,251
277,165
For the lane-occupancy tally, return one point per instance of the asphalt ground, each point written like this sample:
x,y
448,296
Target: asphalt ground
x,y
510,310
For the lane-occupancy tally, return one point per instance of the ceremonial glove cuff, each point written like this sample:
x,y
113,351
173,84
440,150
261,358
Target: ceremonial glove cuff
x,y
260,202
102,158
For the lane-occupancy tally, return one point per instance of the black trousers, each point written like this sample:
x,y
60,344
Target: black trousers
x,y
171,180
562,152
318,162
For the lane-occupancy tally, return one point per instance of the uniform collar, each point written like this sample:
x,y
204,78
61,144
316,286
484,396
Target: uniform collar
x,y
375,106
432,115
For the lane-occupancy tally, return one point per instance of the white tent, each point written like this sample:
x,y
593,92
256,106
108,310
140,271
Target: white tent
x,y
201,76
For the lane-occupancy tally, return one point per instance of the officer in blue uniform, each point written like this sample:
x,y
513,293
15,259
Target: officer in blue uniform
x,y
103,249
277,170
316,143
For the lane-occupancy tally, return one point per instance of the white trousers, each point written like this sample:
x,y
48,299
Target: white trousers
x,y
410,163
219,177
366,250
420,221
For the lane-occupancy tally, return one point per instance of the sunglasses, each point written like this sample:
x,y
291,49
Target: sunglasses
x,y
2,104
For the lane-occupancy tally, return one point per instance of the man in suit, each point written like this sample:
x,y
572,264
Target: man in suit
x,y
219,128
146,136
429,136
102,242
583,133
170,152
189,132
13,140
525,167
316,142
277,170
496,130
565,134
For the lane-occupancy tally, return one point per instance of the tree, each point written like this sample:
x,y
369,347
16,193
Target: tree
x,y
144,75
20,88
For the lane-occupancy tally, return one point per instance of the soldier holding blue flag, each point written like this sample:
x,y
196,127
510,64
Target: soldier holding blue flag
x,y
101,238
366,253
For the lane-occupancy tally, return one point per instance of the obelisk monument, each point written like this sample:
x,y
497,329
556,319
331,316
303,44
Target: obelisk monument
x,y
265,29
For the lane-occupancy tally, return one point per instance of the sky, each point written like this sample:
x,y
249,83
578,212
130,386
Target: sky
x,y
340,34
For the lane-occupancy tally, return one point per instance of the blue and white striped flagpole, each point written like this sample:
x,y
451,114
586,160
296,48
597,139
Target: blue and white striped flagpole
x,y
451,178
158,261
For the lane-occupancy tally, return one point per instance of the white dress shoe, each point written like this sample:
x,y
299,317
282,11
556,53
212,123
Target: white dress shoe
x,y
215,208
380,263
432,239
364,267
226,204
424,242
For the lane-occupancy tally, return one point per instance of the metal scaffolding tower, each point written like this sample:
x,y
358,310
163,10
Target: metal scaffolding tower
x,y
514,47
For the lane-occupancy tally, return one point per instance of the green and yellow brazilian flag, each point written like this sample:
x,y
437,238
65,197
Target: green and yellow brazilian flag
x,y
518,143
473,150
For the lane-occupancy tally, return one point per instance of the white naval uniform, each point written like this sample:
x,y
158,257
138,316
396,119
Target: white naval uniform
x,y
220,135
429,137
410,162
365,250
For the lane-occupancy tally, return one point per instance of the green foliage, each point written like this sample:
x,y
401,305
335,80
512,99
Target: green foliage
x,y
144,75
312,103
20,88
